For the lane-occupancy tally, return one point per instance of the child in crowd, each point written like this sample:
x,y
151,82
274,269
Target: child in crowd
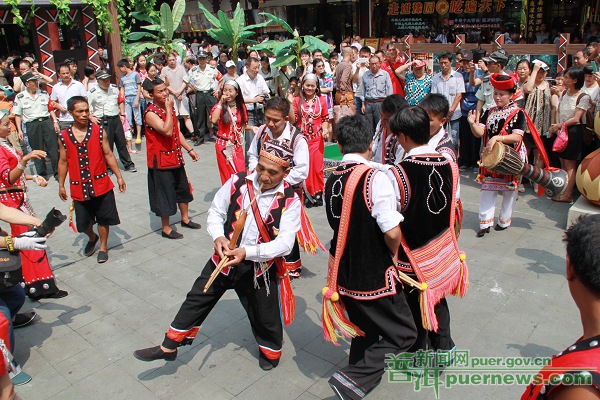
x,y
131,87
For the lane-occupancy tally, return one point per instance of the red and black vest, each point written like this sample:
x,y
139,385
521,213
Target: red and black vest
x,y
272,220
162,152
446,146
88,176
366,266
568,366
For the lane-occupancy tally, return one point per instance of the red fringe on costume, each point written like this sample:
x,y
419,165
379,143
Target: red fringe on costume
x,y
307,237
287,300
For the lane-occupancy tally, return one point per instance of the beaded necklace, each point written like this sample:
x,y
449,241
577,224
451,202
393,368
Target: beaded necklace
x,y
235,132
309,115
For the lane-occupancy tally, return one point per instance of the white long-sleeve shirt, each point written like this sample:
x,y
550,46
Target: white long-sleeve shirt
x,y
288,227
384,200
299,172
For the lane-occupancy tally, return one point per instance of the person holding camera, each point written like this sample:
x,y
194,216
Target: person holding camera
x,y
37,273
255,91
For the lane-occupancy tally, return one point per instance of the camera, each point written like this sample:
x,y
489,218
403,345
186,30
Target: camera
x,y
51,222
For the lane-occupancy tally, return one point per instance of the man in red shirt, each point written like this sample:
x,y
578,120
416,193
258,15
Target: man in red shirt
x,y
574,373
394,60
84,154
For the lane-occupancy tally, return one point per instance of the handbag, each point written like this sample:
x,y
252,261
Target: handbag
x,y
440,265
562,140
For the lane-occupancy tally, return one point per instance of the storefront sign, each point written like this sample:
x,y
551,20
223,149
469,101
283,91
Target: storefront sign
x,y
411,23
445,6
535,15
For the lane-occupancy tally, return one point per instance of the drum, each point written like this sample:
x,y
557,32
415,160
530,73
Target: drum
x,y
502,159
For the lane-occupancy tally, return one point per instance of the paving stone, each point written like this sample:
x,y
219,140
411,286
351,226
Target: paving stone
x,y
82,345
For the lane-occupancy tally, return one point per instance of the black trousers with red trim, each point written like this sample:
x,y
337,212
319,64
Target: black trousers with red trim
x,y
389,329
262,309
440,340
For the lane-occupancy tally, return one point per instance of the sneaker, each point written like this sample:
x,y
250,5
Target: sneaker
x,y
19,377
154,353
132,168
24,319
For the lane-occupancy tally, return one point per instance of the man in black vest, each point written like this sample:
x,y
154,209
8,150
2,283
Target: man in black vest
x,y
249,269
363,271
424,187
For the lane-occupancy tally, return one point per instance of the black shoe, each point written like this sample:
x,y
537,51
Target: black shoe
x,y
172,235
500,228
198,142
482,232
154,353
191,224
132,168
90,247
102,257
24,319
265,363
56,295
308,203
212,139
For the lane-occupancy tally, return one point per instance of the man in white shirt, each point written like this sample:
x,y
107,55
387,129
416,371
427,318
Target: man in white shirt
x,y
255,91
250,268
451,84
66,88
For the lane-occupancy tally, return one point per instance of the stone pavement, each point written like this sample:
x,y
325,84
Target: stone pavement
x,y
81,346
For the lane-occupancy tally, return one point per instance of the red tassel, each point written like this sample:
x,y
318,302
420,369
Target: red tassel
x,y
287,300
71,210
307,237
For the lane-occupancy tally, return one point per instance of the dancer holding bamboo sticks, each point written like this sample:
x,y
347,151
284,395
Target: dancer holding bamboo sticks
x,y
263,211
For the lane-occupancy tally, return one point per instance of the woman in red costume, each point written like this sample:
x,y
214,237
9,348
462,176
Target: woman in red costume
x,y
230,112
37,274
311,116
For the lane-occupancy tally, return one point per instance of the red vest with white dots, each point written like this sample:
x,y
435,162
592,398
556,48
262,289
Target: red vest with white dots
x,y
579,361
162,152
87,168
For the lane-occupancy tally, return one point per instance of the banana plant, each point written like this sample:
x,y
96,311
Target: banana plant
x,y
288,51
231,32
160,31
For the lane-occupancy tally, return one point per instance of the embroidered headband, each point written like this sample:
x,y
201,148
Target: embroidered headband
x,y
310,77
232,82
504,84
277,152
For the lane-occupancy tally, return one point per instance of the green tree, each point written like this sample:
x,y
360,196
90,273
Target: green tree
x,y
288,51
160,31
231,32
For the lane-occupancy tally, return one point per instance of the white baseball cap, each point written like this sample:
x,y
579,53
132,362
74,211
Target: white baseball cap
x,y
229,64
